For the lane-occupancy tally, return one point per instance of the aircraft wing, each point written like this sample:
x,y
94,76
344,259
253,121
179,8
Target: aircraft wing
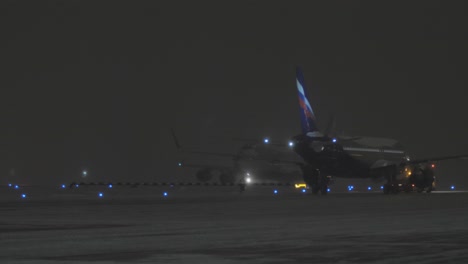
x,y
218,154
202,166
417,161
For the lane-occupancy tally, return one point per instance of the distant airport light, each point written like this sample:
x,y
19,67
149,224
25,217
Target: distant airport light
x,y
432,165
266,140
328,189
381,187
16,187
452,187
291,144
63,186
179,164
100,194
110,186
350,187
275,191
165,194
334,140
248,180
23,195
9,185
77,185
369,188
303,190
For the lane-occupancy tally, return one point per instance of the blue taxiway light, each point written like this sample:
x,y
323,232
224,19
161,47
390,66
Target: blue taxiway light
x,y
100,194
16,187
110,186
369,188
9,185
266,140
77,185
328,190
275,191
381,187
164,194
63,186
23,195
452,187
334,140
303,190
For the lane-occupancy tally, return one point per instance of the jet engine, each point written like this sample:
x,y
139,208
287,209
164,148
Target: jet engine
x,y
423,177
204,174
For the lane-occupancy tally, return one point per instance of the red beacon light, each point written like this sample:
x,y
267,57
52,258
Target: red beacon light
x,y
432,165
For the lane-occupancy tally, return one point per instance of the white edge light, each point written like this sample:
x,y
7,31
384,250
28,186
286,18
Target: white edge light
x,y
266,140
291,144
248,180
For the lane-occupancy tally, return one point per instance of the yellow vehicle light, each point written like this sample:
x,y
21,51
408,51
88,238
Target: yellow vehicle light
x,y
300,185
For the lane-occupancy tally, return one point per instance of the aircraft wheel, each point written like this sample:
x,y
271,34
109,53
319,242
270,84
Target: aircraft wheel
x,y
387,188
324,189
315,189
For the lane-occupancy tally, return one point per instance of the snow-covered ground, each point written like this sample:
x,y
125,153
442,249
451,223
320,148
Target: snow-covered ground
x,y
219,225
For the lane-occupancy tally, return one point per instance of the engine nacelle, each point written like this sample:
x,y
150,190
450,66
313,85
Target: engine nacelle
x,y
204,174
423,177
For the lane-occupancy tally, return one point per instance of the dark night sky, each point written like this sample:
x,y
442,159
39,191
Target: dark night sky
x,y
97,84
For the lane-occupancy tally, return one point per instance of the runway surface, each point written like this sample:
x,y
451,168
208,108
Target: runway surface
x,y
219,225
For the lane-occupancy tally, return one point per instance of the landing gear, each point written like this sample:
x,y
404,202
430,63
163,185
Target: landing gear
x,y
391,186
316,181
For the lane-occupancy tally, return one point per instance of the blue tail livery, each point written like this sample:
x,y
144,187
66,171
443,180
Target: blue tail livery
x,y
308,120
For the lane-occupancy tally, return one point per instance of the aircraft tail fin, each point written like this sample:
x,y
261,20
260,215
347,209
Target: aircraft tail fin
x,y
308,120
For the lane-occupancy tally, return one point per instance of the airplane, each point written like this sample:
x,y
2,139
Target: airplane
x,y
322,157
325,157
250,165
